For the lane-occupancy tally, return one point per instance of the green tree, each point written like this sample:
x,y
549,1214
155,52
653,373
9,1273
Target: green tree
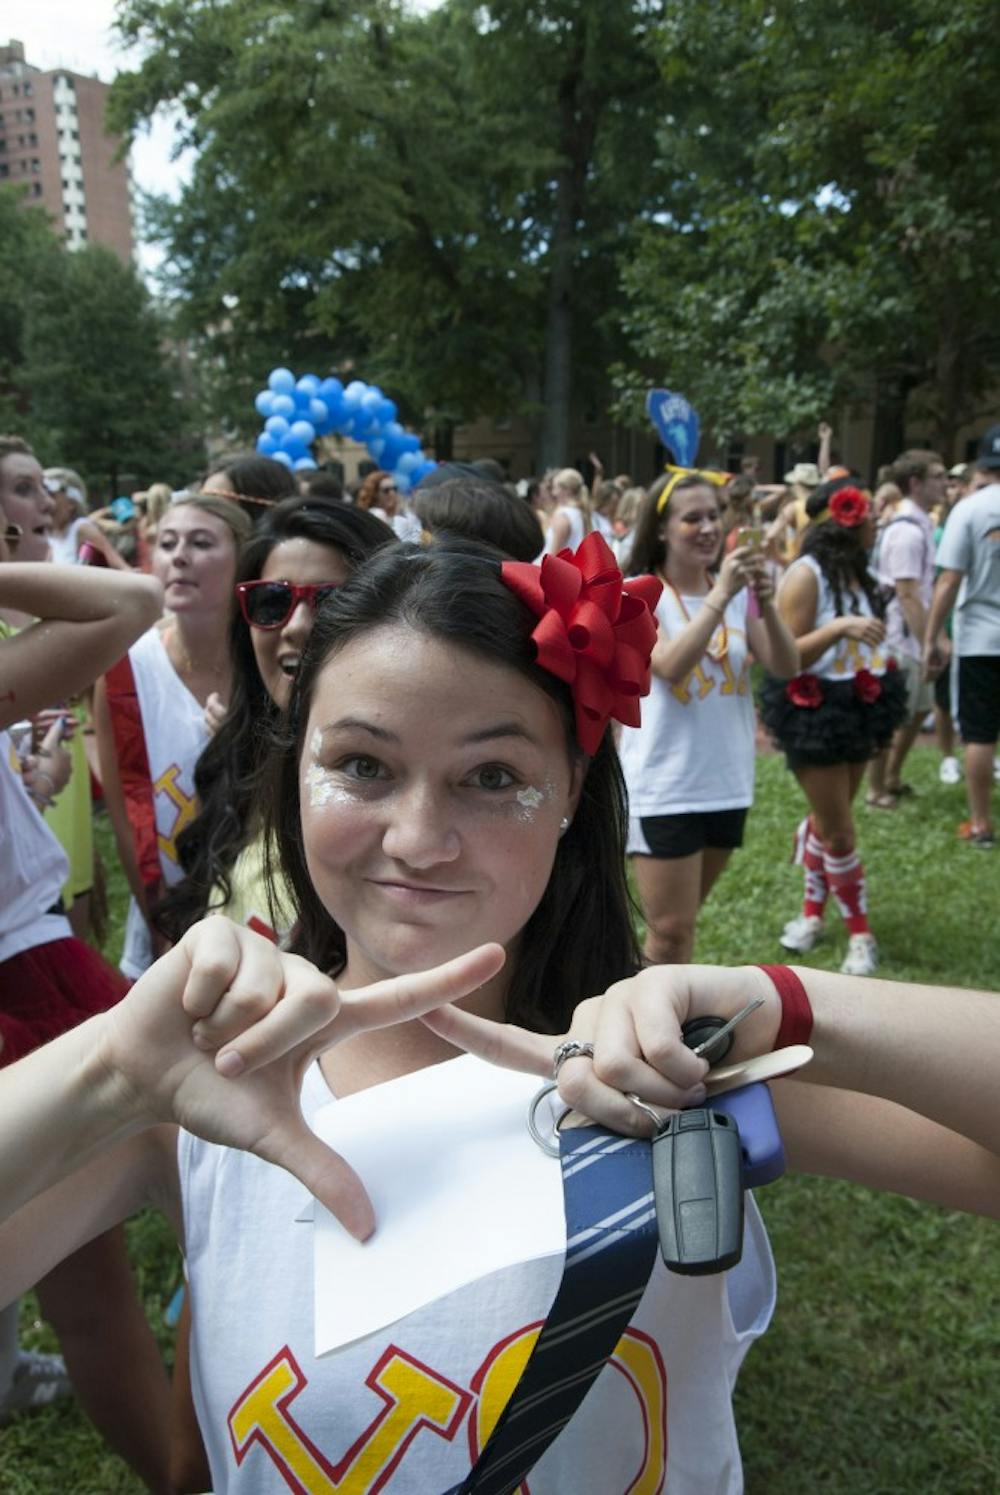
x,y
28,252
100,388
842,239
435,202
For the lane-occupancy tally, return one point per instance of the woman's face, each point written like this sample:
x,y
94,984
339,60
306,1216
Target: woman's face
x,y
25,500
432,786
693,528
278,651
195,559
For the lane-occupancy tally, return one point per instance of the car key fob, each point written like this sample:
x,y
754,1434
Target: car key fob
x,y
698,1190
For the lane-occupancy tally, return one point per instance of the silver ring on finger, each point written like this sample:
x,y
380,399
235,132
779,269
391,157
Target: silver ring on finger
x,y
571,1048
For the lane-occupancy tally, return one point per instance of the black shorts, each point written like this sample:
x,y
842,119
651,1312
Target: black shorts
x,y
979,697
671,836
942,689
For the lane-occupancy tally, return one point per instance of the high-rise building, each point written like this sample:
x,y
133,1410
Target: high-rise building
x,y
53,141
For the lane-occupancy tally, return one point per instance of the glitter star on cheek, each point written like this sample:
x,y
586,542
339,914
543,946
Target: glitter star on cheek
x,y
530,798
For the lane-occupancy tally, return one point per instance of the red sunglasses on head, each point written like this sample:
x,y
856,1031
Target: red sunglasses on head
x,y
270,604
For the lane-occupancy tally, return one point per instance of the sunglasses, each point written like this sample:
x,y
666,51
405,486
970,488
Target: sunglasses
x,y
270,604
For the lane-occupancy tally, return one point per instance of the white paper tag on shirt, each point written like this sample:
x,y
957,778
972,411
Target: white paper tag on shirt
x,y
459,1190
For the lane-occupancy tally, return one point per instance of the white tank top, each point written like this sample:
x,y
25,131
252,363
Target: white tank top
x,y
33,866
173,726
848,655
65,547
405,1409
577,529
695,748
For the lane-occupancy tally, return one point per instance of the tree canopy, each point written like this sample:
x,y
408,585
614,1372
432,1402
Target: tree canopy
x,y
776,208
85,369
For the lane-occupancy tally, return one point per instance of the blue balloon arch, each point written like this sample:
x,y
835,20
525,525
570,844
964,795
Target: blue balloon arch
x,y
297,411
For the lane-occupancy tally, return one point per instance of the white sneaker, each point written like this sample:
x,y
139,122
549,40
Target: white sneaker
x,y
862,956
950,771
802,933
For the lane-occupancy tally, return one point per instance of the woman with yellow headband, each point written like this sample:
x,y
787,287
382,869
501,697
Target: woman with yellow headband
x,y
835,715
689,768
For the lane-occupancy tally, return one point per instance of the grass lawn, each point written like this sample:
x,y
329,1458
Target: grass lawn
x,y
880,1373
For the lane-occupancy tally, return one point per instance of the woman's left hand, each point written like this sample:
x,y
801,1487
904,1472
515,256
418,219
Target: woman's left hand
x,y
635,1028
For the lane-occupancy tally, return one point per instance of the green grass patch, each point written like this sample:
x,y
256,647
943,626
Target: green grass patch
x,y
879,1374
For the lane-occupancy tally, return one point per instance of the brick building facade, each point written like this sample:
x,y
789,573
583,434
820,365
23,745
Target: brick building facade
x,y
53,142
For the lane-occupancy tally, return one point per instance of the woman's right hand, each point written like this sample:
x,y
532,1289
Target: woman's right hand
x,y
869,631
216,711
733,573
217,1034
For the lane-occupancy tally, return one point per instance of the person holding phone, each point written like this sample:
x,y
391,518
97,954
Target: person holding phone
x,y
689,767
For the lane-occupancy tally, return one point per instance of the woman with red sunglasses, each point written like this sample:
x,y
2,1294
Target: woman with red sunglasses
x,y
149,710
302,550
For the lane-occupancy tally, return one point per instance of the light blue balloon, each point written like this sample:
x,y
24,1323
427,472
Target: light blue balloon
x,y
331,390
267,444
304,464
371,402
387,411
408,462
393,431
319,412
293,446
355,391
282,381
277,426
403,482
264,403
309,384
376,445
409,442
283,405
284,459
304,431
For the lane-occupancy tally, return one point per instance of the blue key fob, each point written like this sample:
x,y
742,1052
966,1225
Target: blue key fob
x,y
752,1109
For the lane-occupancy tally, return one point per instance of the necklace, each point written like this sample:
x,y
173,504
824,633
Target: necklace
x,y
718,645
182,661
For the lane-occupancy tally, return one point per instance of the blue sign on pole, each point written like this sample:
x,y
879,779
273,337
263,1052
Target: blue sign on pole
x,y
677,423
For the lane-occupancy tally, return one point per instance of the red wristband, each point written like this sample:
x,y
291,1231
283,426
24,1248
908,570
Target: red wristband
x,y
796,1009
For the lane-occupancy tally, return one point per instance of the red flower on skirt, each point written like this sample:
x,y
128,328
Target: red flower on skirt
x,y
867,686
805,690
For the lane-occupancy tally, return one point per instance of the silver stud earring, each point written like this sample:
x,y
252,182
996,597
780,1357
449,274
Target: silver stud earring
x,y
564,825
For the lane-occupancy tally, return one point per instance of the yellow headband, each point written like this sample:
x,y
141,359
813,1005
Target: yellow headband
x,y
714,479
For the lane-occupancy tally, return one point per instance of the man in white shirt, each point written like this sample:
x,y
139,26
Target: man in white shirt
x,y
906,570
969,558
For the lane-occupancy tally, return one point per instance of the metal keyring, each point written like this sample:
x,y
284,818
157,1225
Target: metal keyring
x,y
654,1116
550,1148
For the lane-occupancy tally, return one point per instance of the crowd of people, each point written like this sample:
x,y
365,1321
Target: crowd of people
x,y
405,751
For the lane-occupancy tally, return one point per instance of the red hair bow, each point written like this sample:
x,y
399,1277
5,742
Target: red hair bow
x,y
596,631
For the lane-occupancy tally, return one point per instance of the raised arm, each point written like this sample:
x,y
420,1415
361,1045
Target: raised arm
x,y
674,658
901,1093
87,619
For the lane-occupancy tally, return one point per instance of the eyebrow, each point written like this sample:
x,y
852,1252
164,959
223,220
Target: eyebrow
x,y
484,734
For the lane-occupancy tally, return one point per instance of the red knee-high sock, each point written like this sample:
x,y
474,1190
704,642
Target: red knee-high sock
x,y
845,877
808,855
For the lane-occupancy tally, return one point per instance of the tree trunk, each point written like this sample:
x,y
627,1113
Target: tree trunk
x,y
578,112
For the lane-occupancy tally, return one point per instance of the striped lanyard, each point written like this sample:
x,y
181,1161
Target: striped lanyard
x,y
611,1245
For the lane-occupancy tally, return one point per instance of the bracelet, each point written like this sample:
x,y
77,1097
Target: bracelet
x,y
41,774
721,611
796,1009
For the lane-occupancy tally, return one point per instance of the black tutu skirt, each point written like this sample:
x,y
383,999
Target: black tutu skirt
x,y
842,727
